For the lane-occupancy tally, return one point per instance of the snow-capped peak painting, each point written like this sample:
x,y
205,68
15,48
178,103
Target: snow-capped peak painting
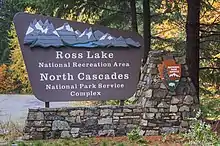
x,y
45,35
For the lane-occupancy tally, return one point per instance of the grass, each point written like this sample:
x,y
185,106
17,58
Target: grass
x,y
77,142
10,131
170,140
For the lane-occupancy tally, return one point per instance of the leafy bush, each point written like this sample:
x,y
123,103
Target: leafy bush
x,y
201,134
210,108
134,136
10,130
7,84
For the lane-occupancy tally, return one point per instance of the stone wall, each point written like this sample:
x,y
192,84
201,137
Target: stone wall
x,y
48,123
158,110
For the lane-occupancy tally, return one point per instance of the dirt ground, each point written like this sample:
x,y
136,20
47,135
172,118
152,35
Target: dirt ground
x,y
172,140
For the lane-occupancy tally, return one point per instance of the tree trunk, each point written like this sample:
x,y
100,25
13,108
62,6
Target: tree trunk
x,y
133,16
192,41
147,33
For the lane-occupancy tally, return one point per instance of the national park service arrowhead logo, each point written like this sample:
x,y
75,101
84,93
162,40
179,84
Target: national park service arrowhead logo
x,y
170,73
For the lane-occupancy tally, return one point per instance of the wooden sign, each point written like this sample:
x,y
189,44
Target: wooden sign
x,y
170,73
68,60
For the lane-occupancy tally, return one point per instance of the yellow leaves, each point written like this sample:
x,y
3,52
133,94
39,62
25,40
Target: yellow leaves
x,y
30,10
6,82
167,30
82,17
17,66
217,56
211,16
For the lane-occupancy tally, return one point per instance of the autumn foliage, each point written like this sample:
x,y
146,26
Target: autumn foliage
x,y
7,84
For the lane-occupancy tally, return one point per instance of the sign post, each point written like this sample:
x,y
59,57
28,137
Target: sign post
x,y
47,104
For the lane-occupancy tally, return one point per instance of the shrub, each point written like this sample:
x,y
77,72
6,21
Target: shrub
x,y
134,136
201,133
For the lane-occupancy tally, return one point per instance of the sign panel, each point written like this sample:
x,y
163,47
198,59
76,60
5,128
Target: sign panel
x,y
68,60
170,73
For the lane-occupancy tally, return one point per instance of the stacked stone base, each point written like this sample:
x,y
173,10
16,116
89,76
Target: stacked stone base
x,y
52,123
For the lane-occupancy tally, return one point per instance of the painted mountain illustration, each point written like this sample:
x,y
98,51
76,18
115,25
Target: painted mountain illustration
x,y
45,35
42,34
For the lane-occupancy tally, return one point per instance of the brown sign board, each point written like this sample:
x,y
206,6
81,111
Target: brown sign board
x,y
70,61
170,73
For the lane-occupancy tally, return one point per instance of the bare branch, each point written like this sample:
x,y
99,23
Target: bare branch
x,y
209,68
162,39
209,41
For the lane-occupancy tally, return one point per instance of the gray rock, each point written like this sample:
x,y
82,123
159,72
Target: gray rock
x,y
148,115
160,93
163,105
141,77
183,130
35,116
142,132
151,132
153,71
131,126
184,108
162,86
151,65
186,67
175,100
157,53
76,135
153,110
130,117
147,80
105,121
51,117
173,108
144,122
25,137
78,119
74,130
158,115
63,114
150,103
71,119
188,99
185,115
143,101
137,110
106,133
60,125
44,129
148,93
36,135
105,112
152,124
127,110
41,124
123,121
136,121
115,118
91,122
155,60
184,124
169,130
92,112
65,134
77,113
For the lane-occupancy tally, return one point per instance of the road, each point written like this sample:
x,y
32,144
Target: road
x,y
15,107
